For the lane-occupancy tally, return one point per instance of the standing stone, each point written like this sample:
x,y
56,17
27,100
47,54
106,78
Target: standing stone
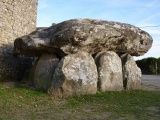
x,y
44,71
131,73
76,74
109,71
17,18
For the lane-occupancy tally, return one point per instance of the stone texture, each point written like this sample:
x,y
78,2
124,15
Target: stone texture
x,y
17,18
75,42
12,68
76,74
44,71
110,77
87,35
131,73
35,44
28,75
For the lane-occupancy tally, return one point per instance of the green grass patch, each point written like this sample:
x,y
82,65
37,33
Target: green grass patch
x,y
21,103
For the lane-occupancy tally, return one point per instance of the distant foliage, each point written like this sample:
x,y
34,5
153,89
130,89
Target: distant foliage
x,y
149,65
158,65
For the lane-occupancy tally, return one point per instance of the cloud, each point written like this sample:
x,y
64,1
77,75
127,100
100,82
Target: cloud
x,y
42,4
151,25
153,32
129,3
150,20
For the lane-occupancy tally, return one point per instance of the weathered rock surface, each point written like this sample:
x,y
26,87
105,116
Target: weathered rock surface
x,y
131,73
88,35
76,42
76,74
44,71
34,44
110,77
17,18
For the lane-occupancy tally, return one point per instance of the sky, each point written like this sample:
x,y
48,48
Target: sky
x,y
140,13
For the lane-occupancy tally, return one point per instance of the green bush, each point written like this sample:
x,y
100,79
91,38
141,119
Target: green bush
x,y
158,65
149,65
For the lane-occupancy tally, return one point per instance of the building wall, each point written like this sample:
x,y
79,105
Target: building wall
x,y
17,18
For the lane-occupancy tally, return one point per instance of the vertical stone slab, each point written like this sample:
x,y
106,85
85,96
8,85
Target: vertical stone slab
x,y
44,71
109,68
75,74
131,73
17,18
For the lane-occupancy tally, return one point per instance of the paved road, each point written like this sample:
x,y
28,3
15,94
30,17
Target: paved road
x,y
151,80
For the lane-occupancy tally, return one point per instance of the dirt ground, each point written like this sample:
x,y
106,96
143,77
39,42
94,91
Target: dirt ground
x,y
151,82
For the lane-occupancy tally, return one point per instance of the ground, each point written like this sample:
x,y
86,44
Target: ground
x,y
19,103
151,82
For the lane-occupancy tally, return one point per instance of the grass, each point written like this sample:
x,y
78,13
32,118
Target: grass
x,y
23,104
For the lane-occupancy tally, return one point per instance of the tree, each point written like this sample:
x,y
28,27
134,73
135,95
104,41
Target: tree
x,y
158,65
149,65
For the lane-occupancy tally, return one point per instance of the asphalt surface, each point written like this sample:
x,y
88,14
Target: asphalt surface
x,y
153,80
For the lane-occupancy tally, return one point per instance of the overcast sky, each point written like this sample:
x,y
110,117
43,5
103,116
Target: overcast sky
x,y
139,13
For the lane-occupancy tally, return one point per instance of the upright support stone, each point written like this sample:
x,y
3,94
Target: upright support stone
x,y
44,71
109,67
131,73
76,74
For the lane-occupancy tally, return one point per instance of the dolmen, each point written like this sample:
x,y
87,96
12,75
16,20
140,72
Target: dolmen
x,y
83,56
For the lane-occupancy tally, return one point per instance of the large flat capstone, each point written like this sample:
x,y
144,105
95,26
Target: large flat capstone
x,y
89,35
